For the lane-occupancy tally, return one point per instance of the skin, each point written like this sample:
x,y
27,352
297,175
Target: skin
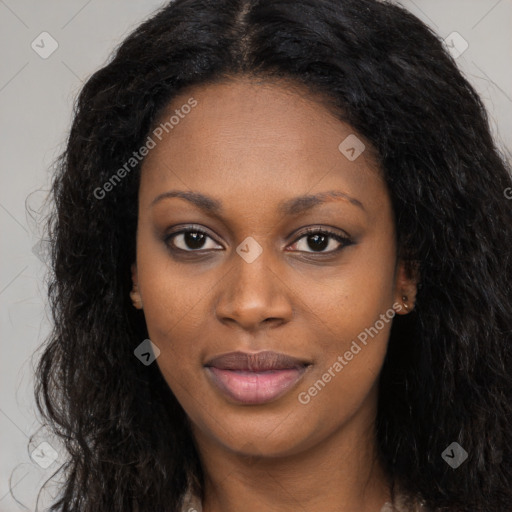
x,y
252,145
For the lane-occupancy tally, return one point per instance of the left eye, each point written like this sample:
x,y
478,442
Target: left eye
x,y
320,239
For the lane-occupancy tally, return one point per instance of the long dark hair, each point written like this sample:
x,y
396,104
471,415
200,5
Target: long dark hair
x,y
447,373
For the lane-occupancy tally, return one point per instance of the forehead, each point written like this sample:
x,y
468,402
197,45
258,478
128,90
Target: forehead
x,y
262,142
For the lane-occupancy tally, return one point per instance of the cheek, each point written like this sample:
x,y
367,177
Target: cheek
x,y
355,295
173,304
172,292
355,315
345,377
172,309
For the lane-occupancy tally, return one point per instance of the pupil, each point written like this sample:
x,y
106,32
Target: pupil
x,y
323,244
194,240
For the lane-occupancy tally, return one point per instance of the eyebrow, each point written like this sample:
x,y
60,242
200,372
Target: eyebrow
x,y
294,206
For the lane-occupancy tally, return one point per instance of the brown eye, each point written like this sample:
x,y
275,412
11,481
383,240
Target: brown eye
x,y
189,240
317,240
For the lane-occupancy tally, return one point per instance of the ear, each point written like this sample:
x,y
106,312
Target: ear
x,y
135,294
406,286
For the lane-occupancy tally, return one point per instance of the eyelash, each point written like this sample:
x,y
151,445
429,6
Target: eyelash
x,y
344,241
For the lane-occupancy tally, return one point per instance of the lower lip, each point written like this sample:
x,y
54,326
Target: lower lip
x,y
255,387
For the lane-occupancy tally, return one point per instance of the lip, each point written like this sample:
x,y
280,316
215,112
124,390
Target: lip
x,y
255,378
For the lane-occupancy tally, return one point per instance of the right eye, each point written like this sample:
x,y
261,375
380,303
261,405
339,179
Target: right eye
x,y
190,239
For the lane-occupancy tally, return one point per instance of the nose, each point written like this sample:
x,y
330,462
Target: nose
x,y
253,295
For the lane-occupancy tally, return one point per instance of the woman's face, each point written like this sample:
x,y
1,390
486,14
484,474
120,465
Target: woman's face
x,y
256,281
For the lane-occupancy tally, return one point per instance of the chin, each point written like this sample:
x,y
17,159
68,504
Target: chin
x,y
251,438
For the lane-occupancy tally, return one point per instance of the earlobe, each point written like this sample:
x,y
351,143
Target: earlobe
x,y
406,288
135,294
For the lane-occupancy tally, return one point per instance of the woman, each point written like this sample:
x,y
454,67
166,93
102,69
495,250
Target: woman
x,y
280,245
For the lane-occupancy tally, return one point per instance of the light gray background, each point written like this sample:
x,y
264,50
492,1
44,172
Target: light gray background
x,y
36,99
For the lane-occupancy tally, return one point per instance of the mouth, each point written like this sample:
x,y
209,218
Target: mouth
x,y
255,378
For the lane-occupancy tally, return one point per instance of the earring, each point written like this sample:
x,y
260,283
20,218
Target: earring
x,y
404,300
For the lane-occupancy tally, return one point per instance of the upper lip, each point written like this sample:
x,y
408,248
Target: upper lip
x,y
260,361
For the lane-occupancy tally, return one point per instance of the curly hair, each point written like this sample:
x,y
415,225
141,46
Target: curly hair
x,y
446,377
